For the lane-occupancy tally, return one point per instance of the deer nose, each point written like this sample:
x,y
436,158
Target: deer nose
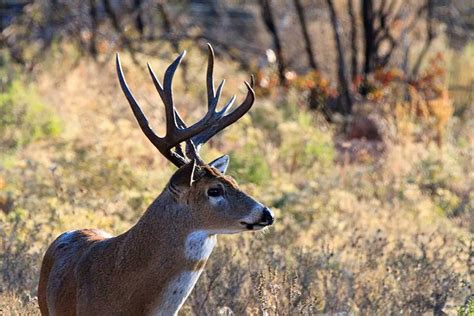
x,y
267,216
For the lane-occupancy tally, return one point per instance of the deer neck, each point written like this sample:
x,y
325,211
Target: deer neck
x,y
164,226
168,247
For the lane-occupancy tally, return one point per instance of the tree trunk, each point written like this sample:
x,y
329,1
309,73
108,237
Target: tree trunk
x,y
353,35
168,29
267,16
94,27
139,24
369,35
116,25
307,39
346,99
429,37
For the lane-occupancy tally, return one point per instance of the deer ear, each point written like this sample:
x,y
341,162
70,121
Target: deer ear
x,y
221,163
183,177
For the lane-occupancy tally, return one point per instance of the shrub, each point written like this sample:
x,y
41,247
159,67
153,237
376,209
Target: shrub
x,y
23,117
249,166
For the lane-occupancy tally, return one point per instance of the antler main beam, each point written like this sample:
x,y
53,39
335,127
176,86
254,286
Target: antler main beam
x,y
176,130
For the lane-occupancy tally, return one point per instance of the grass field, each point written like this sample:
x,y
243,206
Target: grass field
x,y
358,230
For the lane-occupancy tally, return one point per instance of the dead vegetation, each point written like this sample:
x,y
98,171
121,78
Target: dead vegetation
x,y
375,235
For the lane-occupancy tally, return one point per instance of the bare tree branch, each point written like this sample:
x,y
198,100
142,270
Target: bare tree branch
x,y
307,39
353,36
94,27
430,35
139,24
267,16
116,25
341,73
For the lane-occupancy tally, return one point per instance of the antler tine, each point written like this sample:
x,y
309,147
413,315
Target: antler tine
x,y
210,78
220,119
177,133
212,97
166,92
143,121
226,108
223,120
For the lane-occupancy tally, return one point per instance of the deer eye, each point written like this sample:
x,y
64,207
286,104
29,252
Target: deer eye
x,y
215,192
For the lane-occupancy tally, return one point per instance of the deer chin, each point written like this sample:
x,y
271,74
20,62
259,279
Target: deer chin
x,y
253,226
226,231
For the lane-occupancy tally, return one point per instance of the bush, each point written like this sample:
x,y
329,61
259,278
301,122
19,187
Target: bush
x,y
249,166
24,117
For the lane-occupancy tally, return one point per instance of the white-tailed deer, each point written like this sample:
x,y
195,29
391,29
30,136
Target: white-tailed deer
x,y
152,268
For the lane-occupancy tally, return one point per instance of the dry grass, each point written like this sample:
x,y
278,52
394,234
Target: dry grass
x,y
371,237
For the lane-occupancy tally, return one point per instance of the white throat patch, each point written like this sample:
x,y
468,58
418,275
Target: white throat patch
x,y
199,245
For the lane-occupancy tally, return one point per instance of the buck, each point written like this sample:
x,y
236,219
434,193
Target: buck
x,y
152,268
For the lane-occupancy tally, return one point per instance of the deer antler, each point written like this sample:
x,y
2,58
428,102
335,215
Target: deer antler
x,y
176,130
221,119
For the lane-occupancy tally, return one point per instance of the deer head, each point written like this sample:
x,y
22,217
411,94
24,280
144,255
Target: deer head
x,y
210,198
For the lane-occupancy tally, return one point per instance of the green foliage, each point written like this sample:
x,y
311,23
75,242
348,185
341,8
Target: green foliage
x,y
468,308
23,117
248,165
303,144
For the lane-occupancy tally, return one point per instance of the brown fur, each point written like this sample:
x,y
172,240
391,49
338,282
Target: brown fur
x,y
85,273
213,173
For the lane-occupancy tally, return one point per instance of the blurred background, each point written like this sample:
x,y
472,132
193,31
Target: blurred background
x,y
360,140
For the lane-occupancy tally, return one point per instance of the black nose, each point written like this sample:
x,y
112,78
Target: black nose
x,y
267,216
